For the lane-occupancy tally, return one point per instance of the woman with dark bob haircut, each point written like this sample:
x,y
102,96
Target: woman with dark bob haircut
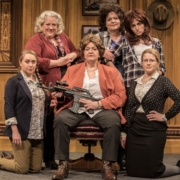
x,y
137,40
111,22
104,84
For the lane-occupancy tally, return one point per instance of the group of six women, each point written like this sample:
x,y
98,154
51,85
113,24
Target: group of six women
x,y
136,72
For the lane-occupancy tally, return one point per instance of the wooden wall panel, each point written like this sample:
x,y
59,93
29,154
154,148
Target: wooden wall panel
x,y
33,8
3,80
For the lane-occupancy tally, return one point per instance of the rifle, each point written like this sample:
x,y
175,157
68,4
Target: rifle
x,y
75,92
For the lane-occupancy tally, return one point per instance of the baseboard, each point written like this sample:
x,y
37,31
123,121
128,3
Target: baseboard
x,y
172,144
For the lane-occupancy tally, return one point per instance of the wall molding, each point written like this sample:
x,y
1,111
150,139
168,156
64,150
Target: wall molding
x,y
173,132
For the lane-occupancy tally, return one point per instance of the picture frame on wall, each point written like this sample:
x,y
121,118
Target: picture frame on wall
x,y
92,7
87,29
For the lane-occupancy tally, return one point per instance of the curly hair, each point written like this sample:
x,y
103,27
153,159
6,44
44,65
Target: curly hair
x,y
95,40
41,19
103,13
140,16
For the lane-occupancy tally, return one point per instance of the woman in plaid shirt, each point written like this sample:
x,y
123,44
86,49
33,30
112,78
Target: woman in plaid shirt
x,y
137,40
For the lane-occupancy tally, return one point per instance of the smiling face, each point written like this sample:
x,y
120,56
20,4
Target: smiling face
x,y
113,22
50,27
149,63
28,64
91,52
137,27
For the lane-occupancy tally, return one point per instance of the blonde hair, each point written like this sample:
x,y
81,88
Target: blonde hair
x,y
41,19
95,40
25,52
154,52
28,51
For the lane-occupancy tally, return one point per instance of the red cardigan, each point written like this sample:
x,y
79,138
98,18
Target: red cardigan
x,y
112,89
46,51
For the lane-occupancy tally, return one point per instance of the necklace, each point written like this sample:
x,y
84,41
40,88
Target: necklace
x,y
92,69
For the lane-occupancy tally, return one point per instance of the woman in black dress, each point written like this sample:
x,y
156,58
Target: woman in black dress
x,y
146,120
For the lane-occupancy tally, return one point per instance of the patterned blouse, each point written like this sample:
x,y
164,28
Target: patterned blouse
x,y
37,114
143,88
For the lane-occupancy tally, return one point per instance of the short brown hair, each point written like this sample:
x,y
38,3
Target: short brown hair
x,y
95,40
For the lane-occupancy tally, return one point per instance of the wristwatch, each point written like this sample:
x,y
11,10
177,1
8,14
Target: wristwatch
x,y
164,118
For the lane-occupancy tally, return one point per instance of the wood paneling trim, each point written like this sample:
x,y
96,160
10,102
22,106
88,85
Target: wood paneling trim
x,y
16,38
173,132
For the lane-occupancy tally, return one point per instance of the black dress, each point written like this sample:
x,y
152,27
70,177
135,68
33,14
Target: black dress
x,y
145,146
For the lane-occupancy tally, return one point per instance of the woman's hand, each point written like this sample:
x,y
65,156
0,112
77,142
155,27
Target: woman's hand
x,y
71,57
53,103
109,55
123,141
155,116
63,61
16,137
56,95
88,104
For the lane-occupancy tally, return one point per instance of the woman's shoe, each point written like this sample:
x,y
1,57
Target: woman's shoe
x,y
178,163
7,155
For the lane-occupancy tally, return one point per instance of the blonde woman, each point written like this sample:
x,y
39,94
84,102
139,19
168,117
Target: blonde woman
x,y
25,109
147,120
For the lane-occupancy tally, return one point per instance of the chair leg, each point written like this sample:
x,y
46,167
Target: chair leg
x,y
87,163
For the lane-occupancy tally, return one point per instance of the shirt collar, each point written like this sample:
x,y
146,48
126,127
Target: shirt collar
x,y
154,76
27,80
105,34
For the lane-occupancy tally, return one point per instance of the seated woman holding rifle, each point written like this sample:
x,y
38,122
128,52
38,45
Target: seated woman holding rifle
x,y
104,84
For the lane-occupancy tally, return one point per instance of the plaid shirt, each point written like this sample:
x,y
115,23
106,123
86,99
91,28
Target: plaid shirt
x,y
107,42
132,68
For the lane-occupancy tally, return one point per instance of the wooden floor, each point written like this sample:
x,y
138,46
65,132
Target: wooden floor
x,y
172,146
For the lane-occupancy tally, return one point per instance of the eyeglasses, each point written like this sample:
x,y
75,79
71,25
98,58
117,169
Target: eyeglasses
x,y
149,61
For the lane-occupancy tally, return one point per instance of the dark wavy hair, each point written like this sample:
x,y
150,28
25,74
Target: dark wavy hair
x,y
95,40
140,16
103,13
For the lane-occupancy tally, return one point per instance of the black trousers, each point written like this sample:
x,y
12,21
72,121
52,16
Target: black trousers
x,y
48,154
108,120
